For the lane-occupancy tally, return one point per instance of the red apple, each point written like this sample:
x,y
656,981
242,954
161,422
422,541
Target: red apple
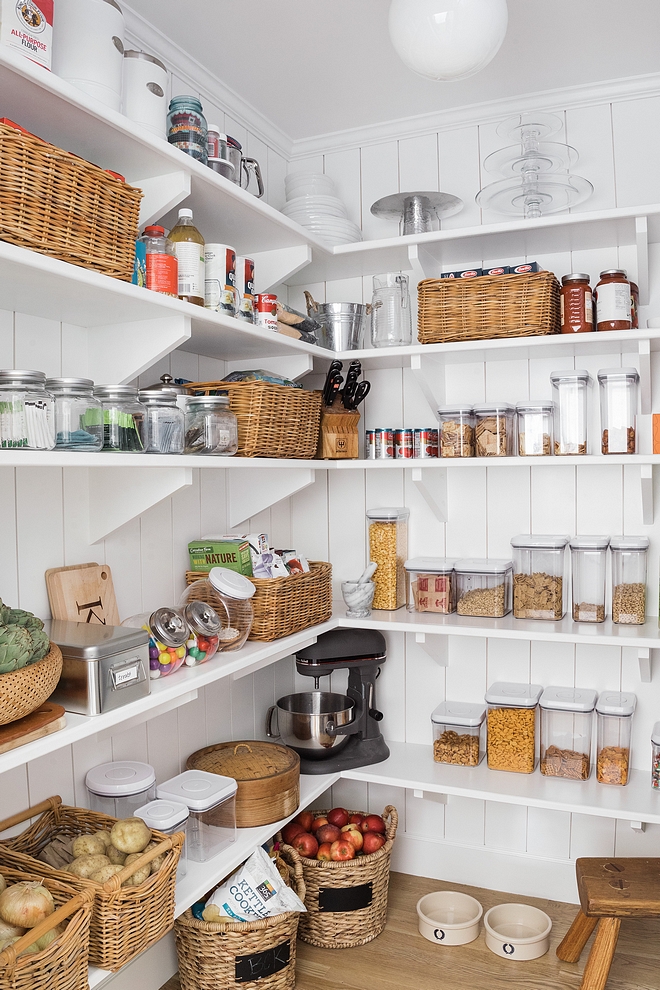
x,y
324,853
306,819
373,841
338,817
328,833
342,850
372,823
306,845
290,831
355,819
316,824
354,835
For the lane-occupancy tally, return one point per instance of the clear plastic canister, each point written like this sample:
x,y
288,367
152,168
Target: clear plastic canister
x,y
629,562
119,788
535,429
211,426
388,547
168,634
459,733
168,817
655,756
456,434
26,411
228,593
430,585
566,731
164,421
539,580
569,395
124,423
511,739
494,430
483,587
78,414
618,410
615,715
589,575
211,802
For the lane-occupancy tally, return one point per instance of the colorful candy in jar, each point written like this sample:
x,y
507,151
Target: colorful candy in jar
x,y
205,627
168,634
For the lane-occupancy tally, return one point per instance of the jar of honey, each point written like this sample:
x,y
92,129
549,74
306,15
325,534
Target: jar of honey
x,y
613,299
577,312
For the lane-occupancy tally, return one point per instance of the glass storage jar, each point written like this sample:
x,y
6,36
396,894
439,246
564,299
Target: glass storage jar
x,y
456,433
511,737
614,711
391,313
430,585
534,429
612,300
618,410
164,421
494,430
569,395
168,634
629,562
119,788
168,817
26,411
124,425
655,756
78,414
205,627
459,733
577,310
566,731
539,579
187,129
211,426
228,593
388,547
483,587
589,574
211,802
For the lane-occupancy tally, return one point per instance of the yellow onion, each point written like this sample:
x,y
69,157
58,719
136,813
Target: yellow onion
x,y
8,931
45,940
26,904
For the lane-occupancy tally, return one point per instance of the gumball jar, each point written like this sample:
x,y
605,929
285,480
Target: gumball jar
x,y
168,635
205,626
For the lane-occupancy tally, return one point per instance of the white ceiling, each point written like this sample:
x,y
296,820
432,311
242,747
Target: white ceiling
x,y
315,66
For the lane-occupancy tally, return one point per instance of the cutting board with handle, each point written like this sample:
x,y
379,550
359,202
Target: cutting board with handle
x,y
82,593
46,719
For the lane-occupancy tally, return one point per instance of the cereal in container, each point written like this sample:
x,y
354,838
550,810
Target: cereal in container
x,y
511,741
615,710
618,410
456,433
483,587
430,585
629,561
494,430
566,730
539,581
459,733
534,429
388,547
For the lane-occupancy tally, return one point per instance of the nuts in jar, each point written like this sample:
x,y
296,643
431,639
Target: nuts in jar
x,y
511,737
388,547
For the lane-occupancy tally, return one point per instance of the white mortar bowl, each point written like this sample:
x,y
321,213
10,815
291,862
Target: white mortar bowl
x,y
517,931
448,917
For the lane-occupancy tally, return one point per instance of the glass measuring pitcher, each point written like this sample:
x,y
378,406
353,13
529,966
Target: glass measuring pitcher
x,y
391,316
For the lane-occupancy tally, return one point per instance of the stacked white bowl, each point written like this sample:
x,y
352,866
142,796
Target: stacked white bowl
x,y
312,202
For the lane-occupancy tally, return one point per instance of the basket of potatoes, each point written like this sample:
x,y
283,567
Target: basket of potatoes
x,y
129,868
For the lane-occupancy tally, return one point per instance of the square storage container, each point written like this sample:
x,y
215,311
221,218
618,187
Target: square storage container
x,y
430,585
211,802
655,764
589,575
534,429
494,431
539,580
388,547
569,395
167,817
483,587
119,788
459,733
629,561
511,741
566,731
618,410
456,433
615,711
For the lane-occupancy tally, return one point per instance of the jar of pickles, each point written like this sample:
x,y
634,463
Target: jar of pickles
x,y
534,429
205,627
211,426
164,421
26,411
456,435
388,547
569,396
494,430
614,710
124,418
168,634
78,414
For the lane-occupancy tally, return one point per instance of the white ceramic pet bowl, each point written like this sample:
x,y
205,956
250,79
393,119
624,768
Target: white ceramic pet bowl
x,y
448,917
517,931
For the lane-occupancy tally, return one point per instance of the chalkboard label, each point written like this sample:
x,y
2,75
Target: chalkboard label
x,y
346,898
262,964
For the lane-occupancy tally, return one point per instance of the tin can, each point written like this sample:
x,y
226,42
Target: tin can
x,y
384,444
403,443
425,443
266,311
370,445
220,279
245,288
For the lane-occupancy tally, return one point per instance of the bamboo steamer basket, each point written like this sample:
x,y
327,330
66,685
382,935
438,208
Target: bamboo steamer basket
x,y
23,691
267,774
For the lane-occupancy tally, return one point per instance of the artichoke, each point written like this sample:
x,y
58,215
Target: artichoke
x,y
19,617
40,645
4,613
15,648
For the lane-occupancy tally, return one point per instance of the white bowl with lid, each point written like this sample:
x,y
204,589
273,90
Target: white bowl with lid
x,y
118,788
449,917
517,931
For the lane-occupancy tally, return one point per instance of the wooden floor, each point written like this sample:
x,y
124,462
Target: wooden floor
x,y
401,958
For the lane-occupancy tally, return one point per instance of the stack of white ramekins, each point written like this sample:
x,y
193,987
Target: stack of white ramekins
x,y
312,202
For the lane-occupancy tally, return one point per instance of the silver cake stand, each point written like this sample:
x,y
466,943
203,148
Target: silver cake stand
x,y
417,210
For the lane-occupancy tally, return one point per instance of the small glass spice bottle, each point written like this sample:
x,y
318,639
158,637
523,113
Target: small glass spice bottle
x,y
577,311
613,300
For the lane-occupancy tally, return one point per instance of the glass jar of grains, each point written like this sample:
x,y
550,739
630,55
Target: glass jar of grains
x,y
534,429
78,414
388,547
614,711
494,430
459,733
629,561
511,737
211,426
456,434
539,580
483,587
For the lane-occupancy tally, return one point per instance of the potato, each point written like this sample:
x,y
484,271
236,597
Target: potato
x,y
105,836
84,866
116,858
104,874
130,835
140,875
88,845
158,861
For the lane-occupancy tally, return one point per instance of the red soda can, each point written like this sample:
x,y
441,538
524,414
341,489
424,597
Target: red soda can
x,y
403,443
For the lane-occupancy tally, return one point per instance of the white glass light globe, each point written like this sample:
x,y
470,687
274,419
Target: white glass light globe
x,y
447,39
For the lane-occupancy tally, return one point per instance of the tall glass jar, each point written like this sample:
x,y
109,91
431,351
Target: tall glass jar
x,y
164,422
124,418
613,300
388,547
589,573
614,710
391,313
456,433
566,730
78,414
187,128
494,430
629,561
618,410
569,397
229,594
211,426
577,311
539,580
26,411
534,429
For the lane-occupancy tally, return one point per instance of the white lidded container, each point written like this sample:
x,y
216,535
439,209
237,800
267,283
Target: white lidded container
x,y
589,577
511,731
566,729
211,802
540,579
517,931
483,587
119,788
614,711
459,733
168,817
449,917
88,47
143,92
430,585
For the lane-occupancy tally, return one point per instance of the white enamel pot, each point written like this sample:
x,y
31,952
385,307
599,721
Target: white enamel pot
x,y
448,917
517,931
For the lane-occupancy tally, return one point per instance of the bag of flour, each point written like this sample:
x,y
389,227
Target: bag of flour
x,y
256,890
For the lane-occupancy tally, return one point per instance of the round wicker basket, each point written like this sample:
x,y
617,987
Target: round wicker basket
x,y
24,690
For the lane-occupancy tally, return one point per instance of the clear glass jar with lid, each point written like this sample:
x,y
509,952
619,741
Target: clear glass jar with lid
x,y
539,580
164,421
26,411
211,426
566,729
187,129
629,564
589,575
494,430
618,410
512,717
168,635
124,418
430,585
168,817
569,396
118,788
388,547
205,627
614,711
535,429
229,594
459,733
483,587
78,414
612,298
456,434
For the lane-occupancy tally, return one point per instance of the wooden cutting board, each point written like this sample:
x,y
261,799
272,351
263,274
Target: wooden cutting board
x,y
82,593
46,719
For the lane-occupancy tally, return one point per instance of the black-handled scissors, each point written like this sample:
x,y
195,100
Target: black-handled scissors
x,y
361,393
350,388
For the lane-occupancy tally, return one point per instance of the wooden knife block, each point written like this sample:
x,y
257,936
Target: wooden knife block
x,y
339,437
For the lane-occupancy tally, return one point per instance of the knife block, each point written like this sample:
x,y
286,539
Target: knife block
x,y
339,437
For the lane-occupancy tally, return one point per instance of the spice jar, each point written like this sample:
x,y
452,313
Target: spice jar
x,y
494,436
618,410
539,585
577,311
614,711
430,585
162,264
26,411
589,573
456,434
124,418
205,626
168,634
612,300
459,733
483,587
78,414
211,426
164,421
629,560
511,739
569,394
566,731
118,788
534,429
186,127
655,764
388,547
228,593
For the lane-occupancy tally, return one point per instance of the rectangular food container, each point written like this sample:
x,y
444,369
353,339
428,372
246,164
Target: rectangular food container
x,y
495,430
589,574
483,587
388,547
459,733
211,802
569,393
430,585
167,817
614,711
512,713
566,729
534,429
539,580
629,562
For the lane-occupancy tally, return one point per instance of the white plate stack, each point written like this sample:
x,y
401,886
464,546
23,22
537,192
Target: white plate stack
x,y
312,202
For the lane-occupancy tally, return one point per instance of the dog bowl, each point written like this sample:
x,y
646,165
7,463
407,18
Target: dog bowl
x,y
517,931
448,917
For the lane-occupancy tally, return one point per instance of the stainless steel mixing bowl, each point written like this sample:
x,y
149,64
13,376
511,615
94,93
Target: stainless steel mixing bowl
x,y
311,722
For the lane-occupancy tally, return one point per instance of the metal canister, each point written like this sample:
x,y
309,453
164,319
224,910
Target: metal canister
x,y
425,443
403,443
245,288
384,444
370,445
265,314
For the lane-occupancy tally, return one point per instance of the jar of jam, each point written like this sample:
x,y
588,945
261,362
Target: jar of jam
x,y
577,311
613,299
634,305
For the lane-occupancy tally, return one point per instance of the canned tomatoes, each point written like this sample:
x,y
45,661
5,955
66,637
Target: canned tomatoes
x,y
403,443
384,444
425,443
265,312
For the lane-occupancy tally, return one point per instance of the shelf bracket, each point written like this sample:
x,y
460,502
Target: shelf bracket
x,y
253,490
161,194
646,482
119,352
437,798
638,826
436,646
274,267
292,366
642,243
119,494
435,498
422,263
432,386
645,658
644,351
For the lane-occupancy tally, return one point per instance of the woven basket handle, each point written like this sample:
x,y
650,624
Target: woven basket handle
x,y
8,956
391,818
50,804
174,842
244,745
289,855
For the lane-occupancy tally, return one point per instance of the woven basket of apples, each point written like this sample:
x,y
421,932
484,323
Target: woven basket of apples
x,y
346,867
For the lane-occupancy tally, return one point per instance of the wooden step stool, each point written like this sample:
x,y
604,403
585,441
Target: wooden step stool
x,y
609,889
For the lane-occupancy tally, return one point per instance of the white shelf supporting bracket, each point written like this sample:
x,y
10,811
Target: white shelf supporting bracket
x,y
645,658
436,496
642,243
253,490
119,352
638,826
429,375
161,194
646,483
274,267
437,798
422,263
292,366
644,351
119,494
436,646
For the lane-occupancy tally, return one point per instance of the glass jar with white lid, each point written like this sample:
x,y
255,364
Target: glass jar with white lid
x,y
629,563
483,587
168,817
26,411
618,410
589,575
566,729
512,718
430,585
535,429
459,733
120,787
229,594
539,580
211,802
78,414
614,711
570,390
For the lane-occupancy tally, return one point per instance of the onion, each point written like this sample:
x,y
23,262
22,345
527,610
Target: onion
x,y
3,883
26,904
8,931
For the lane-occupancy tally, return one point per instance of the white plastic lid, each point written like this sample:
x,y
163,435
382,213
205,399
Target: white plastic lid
x,y
532,541
185,213
197,789
590,543
618,375
479,565
231,583
566,699
655,734
389,513
570,376
535,406
455,410
163,815
431,565
493,409
616,703
120,779
513,695
458,713
629,543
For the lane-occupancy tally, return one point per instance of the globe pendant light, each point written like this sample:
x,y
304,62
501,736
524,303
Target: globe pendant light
x,y
447,39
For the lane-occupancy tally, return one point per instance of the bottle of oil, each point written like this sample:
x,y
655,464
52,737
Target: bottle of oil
x,y
189,247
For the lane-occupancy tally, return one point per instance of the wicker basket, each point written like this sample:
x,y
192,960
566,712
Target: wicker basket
x,y
487,307
223,955
63,964
283,606
58,204
25,690
125,920
347,902
273,420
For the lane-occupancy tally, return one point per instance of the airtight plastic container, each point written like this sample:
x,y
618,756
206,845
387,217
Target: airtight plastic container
x,y
120,788
512,709
483,587
569,396
539,581
211,802
168,817
589,574
566,729
615,710
430,585
388,547
459,733
618,410
629,562
535,427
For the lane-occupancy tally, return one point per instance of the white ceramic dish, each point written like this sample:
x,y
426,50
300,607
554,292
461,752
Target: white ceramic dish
x,y
447,917
308,184
517,931
329,205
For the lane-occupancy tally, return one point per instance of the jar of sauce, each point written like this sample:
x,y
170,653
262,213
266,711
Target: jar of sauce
x,y
577,311
613,299
634,305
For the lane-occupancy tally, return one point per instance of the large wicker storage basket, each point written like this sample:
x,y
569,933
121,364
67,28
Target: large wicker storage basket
x,y
24,690
487,307
273,420
58,204
224,955
125,920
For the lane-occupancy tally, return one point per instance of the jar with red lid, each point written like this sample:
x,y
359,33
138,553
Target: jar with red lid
x,y
613,298
162,264
577,312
